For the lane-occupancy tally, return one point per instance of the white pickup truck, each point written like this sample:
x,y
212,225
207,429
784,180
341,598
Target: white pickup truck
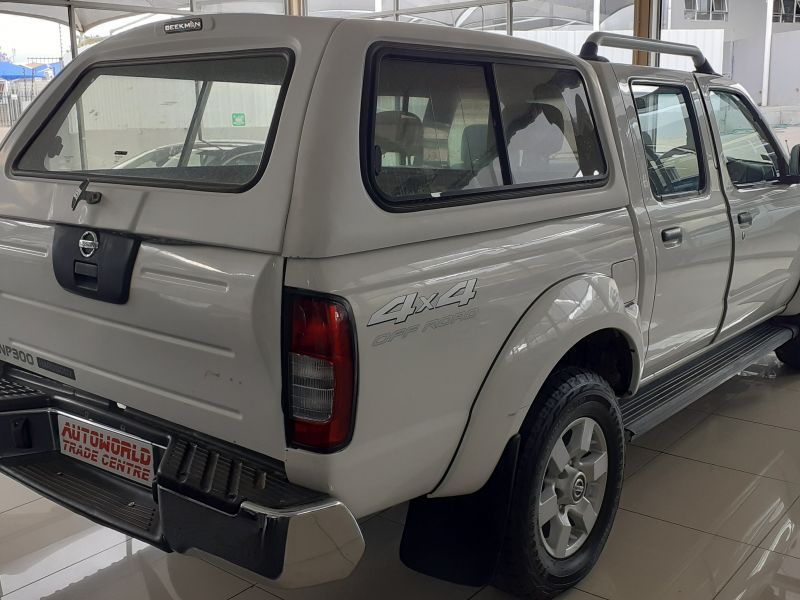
x,y
261,277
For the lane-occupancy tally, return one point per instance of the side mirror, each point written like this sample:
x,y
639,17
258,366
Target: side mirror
x,y
793,176
794,161
56,147
162,155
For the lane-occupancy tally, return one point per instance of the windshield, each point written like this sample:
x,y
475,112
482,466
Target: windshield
x,y
200,122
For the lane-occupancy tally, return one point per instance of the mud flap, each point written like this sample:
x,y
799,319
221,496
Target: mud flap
x,y
459,539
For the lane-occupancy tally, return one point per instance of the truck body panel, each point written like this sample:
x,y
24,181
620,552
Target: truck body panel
x,y
413,410
161,352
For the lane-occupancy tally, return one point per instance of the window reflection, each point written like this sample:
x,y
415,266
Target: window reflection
x,y
753,43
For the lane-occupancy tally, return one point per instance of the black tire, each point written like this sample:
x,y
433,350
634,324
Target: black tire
x,y
789,353
526,568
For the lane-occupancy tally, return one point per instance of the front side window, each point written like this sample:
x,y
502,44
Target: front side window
x,y
670,139
192,122
549,130
746,149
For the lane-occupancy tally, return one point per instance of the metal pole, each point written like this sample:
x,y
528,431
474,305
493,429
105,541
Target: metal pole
x,y
295,8
73,44
138,9
767,56
194,126
510,17
657,15
657,27
596,16
642,27
73,32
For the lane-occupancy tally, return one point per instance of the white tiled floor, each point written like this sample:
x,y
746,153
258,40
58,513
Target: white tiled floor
x,y
710,509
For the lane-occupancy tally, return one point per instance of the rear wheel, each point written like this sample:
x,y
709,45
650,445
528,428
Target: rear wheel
x,y
567,488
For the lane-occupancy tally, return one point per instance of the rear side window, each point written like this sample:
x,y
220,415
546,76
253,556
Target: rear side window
x,y
189,123
547,125
444,131
433,130
670,139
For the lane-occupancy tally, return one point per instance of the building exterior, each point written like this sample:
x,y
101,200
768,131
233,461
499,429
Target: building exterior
x,y
747,25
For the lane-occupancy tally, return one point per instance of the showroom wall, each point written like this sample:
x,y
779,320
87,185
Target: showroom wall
x,y
784,85
743,28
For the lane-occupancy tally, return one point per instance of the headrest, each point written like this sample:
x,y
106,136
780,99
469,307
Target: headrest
x,y
474,144
401,132
548,92
519,116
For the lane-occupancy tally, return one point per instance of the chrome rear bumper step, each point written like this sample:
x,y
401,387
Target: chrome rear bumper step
x,y
207,496
102,497
656,402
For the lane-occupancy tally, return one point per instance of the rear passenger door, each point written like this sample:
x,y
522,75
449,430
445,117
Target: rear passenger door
x,y
764,213
686,210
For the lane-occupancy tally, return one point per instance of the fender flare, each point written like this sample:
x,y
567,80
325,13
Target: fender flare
x,y
558,319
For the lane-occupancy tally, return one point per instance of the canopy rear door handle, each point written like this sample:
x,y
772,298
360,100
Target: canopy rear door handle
x,y
745,219
672,236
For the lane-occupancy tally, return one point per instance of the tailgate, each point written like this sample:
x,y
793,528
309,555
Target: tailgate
x,y
142,209
197,343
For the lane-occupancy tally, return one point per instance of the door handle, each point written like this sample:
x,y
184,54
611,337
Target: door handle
x,y
745,219
672,236
86,275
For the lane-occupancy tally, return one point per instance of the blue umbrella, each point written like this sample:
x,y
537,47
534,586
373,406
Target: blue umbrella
x,y
10,71
40,70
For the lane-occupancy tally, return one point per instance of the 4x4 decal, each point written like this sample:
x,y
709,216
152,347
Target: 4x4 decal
x,y
401,308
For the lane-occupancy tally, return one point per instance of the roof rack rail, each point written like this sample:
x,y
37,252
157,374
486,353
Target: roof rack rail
x,y
629,42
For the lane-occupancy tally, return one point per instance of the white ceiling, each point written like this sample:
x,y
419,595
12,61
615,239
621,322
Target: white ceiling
x,y
86,15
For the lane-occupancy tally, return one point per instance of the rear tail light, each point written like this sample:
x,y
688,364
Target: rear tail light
x,y
320,372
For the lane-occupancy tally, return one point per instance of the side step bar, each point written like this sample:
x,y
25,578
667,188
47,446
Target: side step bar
x,y
659,400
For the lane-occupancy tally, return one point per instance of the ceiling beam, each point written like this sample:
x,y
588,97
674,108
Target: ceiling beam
x,y
88,4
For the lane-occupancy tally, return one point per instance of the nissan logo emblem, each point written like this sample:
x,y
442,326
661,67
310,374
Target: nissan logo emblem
x,y
88,244
579,488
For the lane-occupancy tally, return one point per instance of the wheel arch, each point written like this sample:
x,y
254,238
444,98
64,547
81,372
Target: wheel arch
x,y
567,324
610,353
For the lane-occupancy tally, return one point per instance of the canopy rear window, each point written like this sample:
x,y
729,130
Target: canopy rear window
x,y
194,123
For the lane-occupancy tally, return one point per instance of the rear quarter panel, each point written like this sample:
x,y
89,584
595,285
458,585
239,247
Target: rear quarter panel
x,y
417,380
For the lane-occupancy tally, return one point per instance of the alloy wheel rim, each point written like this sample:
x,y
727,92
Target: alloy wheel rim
x,y
573,487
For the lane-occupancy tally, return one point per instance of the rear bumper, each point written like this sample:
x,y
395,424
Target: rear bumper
x,y
208,495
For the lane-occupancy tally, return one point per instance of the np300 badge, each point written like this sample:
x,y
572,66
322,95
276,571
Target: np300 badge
x,y
88,244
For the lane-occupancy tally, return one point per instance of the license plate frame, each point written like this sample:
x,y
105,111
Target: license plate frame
x,y
107,449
